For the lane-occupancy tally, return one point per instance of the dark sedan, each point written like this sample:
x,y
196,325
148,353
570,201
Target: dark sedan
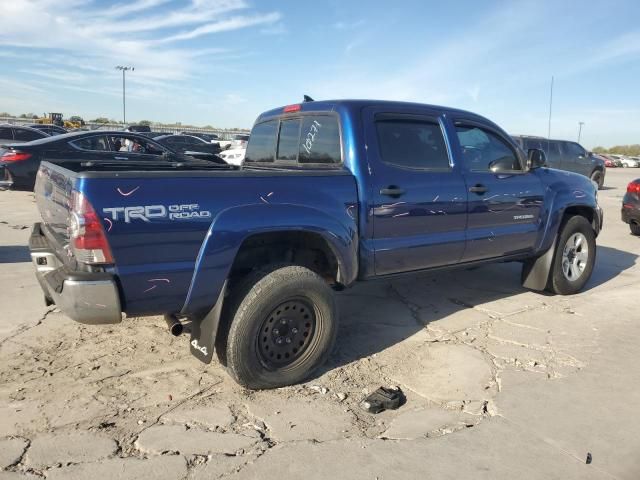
x,y
18,134
49,129
207,137
190,145
631,207
20,162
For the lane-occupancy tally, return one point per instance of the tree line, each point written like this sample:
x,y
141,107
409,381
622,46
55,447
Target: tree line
x,y
33,116
628,150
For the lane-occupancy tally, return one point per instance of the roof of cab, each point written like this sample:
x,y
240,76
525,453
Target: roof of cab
x,y
355,104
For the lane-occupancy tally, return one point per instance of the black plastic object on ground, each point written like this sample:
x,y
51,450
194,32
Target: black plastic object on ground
x,y
383,399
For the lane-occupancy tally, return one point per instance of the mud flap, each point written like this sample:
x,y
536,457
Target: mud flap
x,y
535,272
203,331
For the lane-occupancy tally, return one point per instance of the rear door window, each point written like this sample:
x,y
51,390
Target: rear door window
x,y
573,149
135,145
6,133
96,143
262,145
25,135
412,144
532,143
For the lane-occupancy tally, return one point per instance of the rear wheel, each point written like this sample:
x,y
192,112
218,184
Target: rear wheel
x,y
574,257
635,228
598,177
284,325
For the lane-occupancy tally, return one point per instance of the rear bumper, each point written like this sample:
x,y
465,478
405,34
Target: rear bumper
x,y
86,297
630,212
631,215
5,177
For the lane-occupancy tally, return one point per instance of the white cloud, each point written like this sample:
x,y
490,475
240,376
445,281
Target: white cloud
x,y
225,25
349,25
122,9
100,38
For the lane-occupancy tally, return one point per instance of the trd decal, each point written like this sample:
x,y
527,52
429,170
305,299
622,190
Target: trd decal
x,y
147,213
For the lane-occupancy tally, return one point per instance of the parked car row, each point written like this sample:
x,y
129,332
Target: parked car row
x,y
621,160
189,145
19,162
20,134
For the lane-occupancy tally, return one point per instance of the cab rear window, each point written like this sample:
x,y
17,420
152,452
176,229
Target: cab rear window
x,y
262,142
307,139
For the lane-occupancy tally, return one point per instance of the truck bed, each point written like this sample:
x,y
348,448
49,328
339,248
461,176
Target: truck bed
x,y
175,255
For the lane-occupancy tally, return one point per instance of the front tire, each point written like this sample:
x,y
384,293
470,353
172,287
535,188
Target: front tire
x,y
283,328
598,177
574,257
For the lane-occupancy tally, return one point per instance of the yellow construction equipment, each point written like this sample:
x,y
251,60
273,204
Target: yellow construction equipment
x,y
51,119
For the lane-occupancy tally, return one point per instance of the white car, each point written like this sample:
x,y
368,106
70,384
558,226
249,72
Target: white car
x,y
630,161
233,156
237,141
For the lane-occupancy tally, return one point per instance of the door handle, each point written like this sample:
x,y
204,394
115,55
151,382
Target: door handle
x,y
392,191
479,189
121,158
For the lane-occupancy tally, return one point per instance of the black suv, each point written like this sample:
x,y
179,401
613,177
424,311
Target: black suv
x,y
566,155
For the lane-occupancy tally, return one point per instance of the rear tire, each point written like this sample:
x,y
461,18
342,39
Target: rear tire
x,y
598,177
635,228
284,323
574,257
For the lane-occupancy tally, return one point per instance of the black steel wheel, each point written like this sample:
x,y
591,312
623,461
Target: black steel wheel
x,y
286,333
283,325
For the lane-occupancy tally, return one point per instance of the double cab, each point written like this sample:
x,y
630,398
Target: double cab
x,y
330,193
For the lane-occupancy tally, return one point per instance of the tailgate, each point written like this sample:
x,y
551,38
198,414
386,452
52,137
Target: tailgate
x,y
53,191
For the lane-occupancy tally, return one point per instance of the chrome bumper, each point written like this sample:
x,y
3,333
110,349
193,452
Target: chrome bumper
x,y
86,297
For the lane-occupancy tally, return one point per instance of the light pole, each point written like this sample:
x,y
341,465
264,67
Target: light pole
x,y
580,130
124,108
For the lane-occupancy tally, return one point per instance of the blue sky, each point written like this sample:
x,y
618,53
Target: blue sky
x,y
222,62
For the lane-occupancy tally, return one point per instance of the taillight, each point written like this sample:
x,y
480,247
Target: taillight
x,y
88,238
292,108
634,187
15,156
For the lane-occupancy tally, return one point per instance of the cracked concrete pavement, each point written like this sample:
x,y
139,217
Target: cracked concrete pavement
x,y
500,382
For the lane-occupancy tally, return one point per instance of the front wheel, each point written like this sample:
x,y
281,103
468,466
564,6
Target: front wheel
x,y
598,177
574,257
283,327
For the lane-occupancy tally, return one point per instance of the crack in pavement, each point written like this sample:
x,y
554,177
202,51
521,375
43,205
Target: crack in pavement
x,y
27,327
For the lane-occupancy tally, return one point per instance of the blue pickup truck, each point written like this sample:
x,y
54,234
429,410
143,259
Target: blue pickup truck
x,y
330,193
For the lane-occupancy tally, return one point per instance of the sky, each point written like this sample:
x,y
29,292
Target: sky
x,y
223,62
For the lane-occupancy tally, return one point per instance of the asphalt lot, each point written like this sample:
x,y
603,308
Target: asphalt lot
x,y
501,383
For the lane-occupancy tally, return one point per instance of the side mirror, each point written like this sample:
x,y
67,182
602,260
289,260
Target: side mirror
x,y
536,158
503,164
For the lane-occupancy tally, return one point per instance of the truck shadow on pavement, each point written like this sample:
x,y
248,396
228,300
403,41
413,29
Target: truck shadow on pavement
x,y
610,263
377,315
14,254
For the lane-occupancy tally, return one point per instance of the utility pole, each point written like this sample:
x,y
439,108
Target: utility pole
x,y
124,105
580,130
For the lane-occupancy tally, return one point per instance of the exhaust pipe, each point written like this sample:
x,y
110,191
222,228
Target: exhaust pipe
x,y
175,327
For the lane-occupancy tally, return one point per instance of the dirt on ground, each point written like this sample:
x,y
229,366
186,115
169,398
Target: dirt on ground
x,y
499,382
